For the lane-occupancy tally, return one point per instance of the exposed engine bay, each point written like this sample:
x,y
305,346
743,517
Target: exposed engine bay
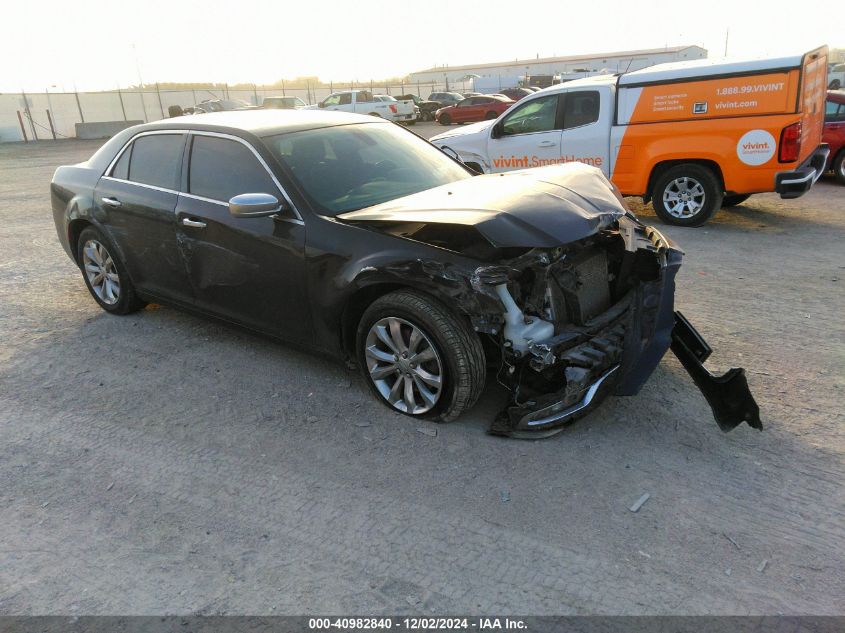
x,y
590,317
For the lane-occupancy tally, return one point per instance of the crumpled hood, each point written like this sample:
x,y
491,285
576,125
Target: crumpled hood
x,y
542,207
463,131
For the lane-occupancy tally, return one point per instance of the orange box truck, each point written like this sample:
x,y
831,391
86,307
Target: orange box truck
x,y
689,136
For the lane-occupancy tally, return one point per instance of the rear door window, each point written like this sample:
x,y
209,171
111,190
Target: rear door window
x,y
156,160
221,169
580,108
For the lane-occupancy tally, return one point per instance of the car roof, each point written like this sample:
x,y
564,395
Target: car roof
x,y
260,122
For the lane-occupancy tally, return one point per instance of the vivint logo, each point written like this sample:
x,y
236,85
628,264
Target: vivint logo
x,y
756,147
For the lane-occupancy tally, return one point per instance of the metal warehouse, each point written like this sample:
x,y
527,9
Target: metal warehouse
x,y
613,62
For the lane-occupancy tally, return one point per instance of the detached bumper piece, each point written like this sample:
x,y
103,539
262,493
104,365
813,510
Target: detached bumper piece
x,y
794,184
728,395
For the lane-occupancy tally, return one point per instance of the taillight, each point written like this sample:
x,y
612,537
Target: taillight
x,y
790,143
393,109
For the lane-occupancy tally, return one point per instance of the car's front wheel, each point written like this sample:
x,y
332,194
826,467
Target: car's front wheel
x,y
419,357
105,275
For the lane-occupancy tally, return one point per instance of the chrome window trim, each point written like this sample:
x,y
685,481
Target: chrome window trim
x,y
110,168
139,184
106,174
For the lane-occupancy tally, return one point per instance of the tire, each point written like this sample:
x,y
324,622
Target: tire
x,y
735,199
410,122
452,352
839,166
114,292
490,116
700,185
445,119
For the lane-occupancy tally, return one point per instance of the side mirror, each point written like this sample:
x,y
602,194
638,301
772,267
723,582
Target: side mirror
x,y
254,205
322,104
496,132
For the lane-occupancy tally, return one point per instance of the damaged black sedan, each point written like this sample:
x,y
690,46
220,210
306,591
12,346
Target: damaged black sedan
x,y
353,237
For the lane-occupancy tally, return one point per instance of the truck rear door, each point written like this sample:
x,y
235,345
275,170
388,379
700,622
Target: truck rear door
x,y
812,99
586,128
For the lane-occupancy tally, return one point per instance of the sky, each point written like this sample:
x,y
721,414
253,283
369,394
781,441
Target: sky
x,y
60,45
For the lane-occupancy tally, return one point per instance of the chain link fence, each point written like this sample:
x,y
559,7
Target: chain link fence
x,y
54,115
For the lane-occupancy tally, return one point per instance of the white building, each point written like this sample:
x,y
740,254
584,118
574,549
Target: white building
x,y
611,62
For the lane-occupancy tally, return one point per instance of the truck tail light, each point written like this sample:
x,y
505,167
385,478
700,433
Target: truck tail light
x,y
393,109
790,143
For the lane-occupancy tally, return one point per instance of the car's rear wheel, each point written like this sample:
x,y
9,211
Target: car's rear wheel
x,y
687,195
839,166
420,358
735,199
105,275
445,119
490,116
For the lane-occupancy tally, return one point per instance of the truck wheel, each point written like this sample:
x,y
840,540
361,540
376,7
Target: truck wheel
x,y
445,119
839,166
419,357
735,199
490,116
687,195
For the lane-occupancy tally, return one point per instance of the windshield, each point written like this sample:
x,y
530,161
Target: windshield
x,y
350,167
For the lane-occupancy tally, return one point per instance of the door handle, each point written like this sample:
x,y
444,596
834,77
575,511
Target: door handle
x,y
547,144
112,202
193,223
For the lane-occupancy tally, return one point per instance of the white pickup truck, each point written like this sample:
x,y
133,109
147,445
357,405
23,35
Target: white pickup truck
x,y
364,102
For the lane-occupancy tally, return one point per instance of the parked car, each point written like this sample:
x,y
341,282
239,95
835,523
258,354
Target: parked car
x,y
516,93
283,103
389,99
446,98
836,77
221,105
486,107
427,107
467,95
834,132
355,238
365,102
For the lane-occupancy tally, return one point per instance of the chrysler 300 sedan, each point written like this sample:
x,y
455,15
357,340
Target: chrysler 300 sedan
x,y
354,237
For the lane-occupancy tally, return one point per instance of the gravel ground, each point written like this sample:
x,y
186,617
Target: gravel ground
x,y
164,463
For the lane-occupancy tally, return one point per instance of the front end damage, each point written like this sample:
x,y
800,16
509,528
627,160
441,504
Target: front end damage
x,y
591,318
573,296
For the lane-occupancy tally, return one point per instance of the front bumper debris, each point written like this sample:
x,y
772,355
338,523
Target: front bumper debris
x,y
794,184
728,395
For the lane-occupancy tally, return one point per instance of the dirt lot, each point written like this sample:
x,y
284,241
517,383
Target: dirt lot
x,y
163,463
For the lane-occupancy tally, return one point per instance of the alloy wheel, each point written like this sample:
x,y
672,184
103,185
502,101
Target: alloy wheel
x,y
404,365
684,197
101,272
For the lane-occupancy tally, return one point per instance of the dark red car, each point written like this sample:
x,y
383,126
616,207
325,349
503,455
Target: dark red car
x,y
473,109
834,132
